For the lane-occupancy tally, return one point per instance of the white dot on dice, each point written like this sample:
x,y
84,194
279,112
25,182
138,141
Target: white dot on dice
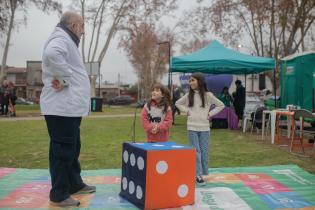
x,y
140,163
161,167
126,156
182,191
139,192
124,183
131,187
132,159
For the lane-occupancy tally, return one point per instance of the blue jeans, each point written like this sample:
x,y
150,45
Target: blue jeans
x,y
200,140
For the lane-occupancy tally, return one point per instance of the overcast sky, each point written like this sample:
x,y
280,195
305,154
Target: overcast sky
x,y
27,44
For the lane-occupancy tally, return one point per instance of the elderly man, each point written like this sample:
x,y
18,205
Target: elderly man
x,y
65,99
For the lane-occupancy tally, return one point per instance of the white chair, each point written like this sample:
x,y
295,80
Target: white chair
x,y
257,119
250,108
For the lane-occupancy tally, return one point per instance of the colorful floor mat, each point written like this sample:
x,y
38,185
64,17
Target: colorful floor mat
x,y
277,187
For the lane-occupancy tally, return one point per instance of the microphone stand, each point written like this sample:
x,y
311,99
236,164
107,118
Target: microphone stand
x,y
133,127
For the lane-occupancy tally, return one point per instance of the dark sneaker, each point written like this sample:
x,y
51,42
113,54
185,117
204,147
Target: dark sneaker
x,y
200,181
86,190
69,202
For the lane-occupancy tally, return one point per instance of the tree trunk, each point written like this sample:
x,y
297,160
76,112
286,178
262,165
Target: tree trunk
x,y
111,32
93,86
7,43
296,25
272,23
254,33
302,35
98,32
93,31
83,37
261,39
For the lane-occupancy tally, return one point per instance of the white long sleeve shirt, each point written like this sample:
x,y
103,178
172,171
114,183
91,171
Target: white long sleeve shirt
x,y
62,60
198,116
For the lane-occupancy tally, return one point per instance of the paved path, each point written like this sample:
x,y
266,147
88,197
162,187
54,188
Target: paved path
x,y
42,118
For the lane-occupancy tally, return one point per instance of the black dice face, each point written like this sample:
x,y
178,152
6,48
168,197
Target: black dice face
x,y
133,179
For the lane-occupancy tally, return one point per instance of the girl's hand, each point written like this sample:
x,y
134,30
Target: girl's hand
x,y
154,129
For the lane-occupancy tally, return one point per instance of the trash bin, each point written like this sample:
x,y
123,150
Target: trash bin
x,y
96,104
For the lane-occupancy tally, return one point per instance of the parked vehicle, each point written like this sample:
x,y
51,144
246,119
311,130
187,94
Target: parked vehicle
x,y
23,101
141,103
121,100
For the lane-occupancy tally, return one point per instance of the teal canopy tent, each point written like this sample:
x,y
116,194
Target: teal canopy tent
x,y
216,59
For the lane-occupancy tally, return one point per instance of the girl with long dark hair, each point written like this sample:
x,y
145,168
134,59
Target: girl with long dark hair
x,y
196,103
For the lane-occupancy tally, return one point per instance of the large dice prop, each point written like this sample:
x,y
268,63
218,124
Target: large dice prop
x,y
158,175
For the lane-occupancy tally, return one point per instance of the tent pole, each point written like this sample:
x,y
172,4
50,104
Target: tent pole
x,y
313,105
245,82
274,84
170,85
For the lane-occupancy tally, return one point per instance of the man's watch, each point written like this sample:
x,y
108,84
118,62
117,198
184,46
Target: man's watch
x,y
63,82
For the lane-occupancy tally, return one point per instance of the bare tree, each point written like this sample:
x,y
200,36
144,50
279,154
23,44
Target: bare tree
x,y
274,28
148,58
140,40
8,21
118,14
109,17
193,45
4,16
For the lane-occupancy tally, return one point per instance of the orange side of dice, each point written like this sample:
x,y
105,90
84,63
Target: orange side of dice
x,y
170,178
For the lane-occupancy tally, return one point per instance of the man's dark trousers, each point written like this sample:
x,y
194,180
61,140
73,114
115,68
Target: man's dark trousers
x,y
64,153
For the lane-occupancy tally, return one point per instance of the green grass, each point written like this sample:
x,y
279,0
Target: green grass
x,y
24,144
20,107
34,110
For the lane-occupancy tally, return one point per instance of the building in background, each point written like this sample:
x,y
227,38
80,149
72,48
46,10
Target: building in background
x,y
34,80
108,91
17,75
28,83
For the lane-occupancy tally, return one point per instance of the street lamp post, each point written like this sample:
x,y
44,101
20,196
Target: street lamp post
x,y
99,80
169,62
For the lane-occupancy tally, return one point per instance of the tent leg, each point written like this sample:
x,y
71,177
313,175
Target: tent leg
x,y
171,75
313,105
245,75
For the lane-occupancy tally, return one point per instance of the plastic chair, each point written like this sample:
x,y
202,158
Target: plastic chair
x,y
300,115
250,108
257,118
